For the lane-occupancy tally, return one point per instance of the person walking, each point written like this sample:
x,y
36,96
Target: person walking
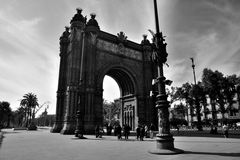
x,y
100,132
138,132
146,131
119,131
115,130
152,128
97,131
225,130
142,133
126,131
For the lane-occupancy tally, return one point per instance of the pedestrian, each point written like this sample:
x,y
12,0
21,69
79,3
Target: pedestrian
x,y
115,130
100,132
97,131
152,128
119,131
126,131
1,137
142,133
177,129
146,131
225,130
109,129
138,132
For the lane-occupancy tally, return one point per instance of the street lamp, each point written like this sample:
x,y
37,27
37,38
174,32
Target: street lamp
x,y
165,141
79,123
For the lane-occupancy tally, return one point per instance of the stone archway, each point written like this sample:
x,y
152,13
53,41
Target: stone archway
x,y
128,93
87,54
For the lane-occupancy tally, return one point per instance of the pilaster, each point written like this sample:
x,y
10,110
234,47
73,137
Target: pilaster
x,y
64,42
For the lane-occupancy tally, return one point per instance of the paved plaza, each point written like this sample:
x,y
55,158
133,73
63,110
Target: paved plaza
x,y
43,145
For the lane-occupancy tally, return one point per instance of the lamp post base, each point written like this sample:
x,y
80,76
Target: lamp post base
x,y
165,146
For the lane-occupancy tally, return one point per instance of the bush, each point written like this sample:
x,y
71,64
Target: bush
x,y
176,121
32,127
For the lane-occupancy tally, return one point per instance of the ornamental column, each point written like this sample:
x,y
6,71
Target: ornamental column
x,y
78,23
64,42
90,94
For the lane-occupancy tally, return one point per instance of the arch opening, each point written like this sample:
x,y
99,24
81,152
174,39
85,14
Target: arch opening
x,y
119,91
111,89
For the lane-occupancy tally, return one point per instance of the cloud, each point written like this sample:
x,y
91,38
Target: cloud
x,y
206,31
26,61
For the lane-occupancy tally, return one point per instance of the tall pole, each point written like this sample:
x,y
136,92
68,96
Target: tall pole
x,y
194,78
197,104
193,67
165,141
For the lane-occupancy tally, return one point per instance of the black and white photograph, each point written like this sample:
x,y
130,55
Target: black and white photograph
x,y
119,79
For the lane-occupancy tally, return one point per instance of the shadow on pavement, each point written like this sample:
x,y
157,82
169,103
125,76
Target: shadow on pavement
x,y
9,132
211,153
207,142
107,138
205,133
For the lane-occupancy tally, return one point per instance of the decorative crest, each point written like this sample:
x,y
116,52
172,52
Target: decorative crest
x,y
78,16
121,37
93,21
145,41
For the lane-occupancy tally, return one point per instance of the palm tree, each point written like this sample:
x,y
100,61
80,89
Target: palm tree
x,y
29,102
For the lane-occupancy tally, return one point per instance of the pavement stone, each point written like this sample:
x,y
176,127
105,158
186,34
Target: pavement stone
x,y
43,145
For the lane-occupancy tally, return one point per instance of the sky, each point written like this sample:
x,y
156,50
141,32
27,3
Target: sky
x,y
207,30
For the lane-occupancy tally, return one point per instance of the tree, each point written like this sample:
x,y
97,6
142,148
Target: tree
x,y
183,94
229,92
29,103
212,86
179,110
111,110
197,93
19,116
238,92
5,114
202,98
43,118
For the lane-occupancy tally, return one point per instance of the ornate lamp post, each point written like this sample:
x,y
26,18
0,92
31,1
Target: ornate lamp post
x,y
79,124
165,144
79,127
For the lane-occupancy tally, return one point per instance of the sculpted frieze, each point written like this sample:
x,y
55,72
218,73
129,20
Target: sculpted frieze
x,y
119,49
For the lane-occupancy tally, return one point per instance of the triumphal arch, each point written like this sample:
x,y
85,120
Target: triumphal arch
x,y
87,54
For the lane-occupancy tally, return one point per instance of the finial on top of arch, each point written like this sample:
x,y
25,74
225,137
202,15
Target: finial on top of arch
x,y
93,15
145,41
67,27
144,36
93,21
78,16
79,10
121,37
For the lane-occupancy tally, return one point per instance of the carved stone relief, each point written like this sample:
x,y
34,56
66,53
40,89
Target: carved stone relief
x,y
118,49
